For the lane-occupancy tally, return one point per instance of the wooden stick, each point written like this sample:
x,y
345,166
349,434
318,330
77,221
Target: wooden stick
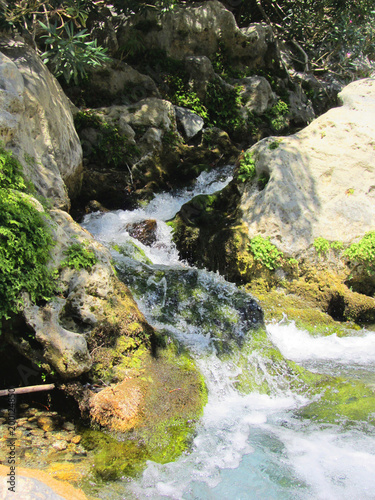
x,y
26,390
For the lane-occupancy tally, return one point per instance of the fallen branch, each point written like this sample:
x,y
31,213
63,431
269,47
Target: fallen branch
x,y
27,390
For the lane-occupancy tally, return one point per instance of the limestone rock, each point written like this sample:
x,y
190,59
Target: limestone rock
x,y
200,72
190,122
123,80
197,31
321,180
36,123
150,112
257,94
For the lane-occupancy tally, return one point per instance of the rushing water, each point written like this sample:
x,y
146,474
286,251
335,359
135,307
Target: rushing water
x,y
250,446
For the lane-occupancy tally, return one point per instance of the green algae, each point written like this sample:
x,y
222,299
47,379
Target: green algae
x,y
333,400
132,250
174,395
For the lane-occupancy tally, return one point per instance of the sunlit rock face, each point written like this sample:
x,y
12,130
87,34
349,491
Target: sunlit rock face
x,y
36,123
321,180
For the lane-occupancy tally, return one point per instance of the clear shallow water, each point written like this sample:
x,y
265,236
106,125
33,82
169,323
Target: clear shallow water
x,y
248,446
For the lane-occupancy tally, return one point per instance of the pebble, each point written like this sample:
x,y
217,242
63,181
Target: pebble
x,y
68,426
47,423
60,445
76,439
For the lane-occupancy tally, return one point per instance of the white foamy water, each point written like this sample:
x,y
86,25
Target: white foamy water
x,y
299,345
110,228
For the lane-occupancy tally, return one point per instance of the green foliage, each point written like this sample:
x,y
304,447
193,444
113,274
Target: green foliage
x,y
78,256
321,245
188,99
10,172
71,54
277,115
223,106
246,169
112,148
363,252
25,242
265,252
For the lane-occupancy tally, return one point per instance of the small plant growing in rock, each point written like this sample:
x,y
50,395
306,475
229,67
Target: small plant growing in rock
x,y
363,252
265,252
321,245
78,256
275,144
247,169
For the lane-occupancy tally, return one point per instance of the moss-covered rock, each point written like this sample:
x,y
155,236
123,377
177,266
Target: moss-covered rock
x,y
152,414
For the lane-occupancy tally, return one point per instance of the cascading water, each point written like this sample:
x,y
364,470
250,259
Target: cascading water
x,y
265,433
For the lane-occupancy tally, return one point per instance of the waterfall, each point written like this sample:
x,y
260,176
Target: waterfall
x,y
289,414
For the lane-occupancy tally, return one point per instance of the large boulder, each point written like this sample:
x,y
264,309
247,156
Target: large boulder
x,y
321,180
198,31
37,124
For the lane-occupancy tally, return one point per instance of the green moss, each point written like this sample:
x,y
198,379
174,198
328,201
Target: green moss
x,y
25,241
132,250
112,458
174,394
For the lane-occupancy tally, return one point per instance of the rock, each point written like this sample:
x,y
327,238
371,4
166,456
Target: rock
x,y
144,231
122,80
76,439
321,179
47,424
200,72
94,206
37,124
59,445
150,112
198,30
257,95
68,426
190,122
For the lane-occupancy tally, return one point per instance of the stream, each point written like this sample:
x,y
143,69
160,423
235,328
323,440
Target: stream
x,y
252,444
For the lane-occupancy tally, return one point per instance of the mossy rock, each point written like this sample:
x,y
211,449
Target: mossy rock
x,y
335,400
173,397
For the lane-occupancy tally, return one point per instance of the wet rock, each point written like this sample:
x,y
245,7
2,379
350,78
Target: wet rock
x,y
190,123
94,206
76,439
144,231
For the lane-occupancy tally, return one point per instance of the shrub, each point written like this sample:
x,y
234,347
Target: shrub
x,y
71,54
